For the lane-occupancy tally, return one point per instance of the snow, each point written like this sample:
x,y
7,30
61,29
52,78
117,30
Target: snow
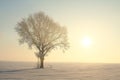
x,y
59,71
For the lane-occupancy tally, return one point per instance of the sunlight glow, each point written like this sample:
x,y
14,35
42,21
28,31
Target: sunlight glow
x,y
86,41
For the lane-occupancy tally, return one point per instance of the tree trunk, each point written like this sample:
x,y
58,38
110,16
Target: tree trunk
x,y
42,62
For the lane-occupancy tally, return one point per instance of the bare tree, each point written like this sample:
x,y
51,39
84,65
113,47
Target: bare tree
x,y
40,31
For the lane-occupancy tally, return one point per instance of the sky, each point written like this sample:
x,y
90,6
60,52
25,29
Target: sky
x,y
93,29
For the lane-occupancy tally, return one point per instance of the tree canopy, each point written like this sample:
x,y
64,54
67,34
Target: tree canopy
x,y
40,31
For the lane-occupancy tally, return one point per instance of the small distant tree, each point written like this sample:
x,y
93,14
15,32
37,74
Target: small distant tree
x,y
40,31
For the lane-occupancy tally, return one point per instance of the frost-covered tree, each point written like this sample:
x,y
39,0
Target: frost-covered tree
x,y
40,31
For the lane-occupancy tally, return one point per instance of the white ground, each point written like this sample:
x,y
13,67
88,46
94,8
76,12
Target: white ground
x,y
65,72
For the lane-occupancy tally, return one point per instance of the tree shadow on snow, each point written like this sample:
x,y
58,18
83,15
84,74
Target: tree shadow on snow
x,y
17,70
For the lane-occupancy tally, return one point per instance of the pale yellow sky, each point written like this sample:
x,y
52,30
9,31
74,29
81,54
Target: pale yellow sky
x,y
98,20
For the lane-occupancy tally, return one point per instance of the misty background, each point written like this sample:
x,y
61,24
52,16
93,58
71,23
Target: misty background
x,y
98,19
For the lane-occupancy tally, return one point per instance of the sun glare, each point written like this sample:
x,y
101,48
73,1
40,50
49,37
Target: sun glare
x,y
86,41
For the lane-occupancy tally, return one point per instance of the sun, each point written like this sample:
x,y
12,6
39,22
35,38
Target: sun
x,y
86,41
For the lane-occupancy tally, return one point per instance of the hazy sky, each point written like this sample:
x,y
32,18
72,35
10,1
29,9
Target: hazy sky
x,y
98,20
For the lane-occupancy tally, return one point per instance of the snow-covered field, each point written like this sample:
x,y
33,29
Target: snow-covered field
x,y
59,71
